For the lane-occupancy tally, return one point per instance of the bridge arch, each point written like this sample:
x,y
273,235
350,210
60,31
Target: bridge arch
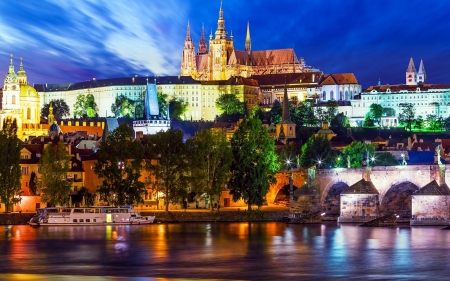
x,y
283,194
397,199
332,201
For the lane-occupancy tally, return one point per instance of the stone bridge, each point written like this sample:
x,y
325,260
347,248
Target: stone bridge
x,y
395,184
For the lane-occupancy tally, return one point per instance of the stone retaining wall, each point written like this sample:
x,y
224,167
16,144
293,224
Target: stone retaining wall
x,y
15,218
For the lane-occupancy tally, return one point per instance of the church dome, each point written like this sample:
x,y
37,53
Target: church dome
x,y
28,91
54,129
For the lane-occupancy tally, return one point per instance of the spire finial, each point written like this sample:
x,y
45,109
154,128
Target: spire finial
x,y
188,32
248,42
11,66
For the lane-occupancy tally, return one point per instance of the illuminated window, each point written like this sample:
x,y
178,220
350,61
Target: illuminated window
x,y
28,113
13,99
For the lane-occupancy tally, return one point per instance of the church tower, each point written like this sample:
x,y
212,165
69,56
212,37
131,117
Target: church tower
x,y
21,75
220,49
11,89
188,64
286,129
411,74
421,74
248,42
202,48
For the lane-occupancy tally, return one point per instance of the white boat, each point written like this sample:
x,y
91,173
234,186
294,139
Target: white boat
x,y
88,216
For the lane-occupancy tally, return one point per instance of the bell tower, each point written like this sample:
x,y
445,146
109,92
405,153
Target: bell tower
x,y
188,64
11,89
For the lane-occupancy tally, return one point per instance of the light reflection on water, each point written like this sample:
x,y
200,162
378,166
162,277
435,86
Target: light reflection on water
x,y
232,251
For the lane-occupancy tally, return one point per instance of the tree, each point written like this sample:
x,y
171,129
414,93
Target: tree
x,y
88,197
356,152
162,104
254,162
123,107
166,160
209,161
85,106
373,116
419,123
60,109
10,171
434,123
387,111
332,110
229,104
32,184
119,168
406,117
316,151
288,156
53,167
384,159
339,124
178,109
276,112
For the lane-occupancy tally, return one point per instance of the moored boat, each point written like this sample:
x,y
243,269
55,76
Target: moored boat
x,y
88,216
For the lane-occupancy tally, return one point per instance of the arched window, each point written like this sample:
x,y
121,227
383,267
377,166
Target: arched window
x,y
332,95
324,95
13,101
346,95
28,113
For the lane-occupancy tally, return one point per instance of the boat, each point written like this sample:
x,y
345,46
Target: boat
x,y
88,216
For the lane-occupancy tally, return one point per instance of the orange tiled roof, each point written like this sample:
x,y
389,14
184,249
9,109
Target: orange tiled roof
x,y
339,79
239,57
273,57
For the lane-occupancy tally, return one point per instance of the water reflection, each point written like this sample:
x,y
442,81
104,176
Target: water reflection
x,y
234,251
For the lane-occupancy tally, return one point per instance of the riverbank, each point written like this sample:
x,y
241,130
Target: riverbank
x,y
178,216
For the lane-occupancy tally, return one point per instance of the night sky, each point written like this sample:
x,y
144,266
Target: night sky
x,y
73,41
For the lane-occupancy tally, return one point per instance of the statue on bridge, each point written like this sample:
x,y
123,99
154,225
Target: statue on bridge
x,y
438,154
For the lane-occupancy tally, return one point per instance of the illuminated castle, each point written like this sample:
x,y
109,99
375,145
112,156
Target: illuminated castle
x,y
223,61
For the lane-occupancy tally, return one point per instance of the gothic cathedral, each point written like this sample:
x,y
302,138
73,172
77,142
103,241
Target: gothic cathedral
x,y
223,61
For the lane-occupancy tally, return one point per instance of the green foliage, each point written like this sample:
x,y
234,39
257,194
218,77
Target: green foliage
x,y
384,159
60,109
331,110
406,117
162,104
356,152
166,159
10,171
89,198
119,167
53,167
387,111
229,104
303,113
446,124
123,107
276,112
288,156
209,161
316,151
339,124
419,123
178,109
373,117
85,106
434,123
254,162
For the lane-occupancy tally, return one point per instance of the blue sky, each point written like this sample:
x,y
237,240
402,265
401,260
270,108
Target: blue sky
x,y
72,41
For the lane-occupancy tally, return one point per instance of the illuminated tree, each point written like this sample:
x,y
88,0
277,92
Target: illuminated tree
x,y
254,162
53,167
162,104
419,123
356,152
178,109
332,110
166,160
230,104
123,107
406,117
10,171
119,168
383,159
373,117
209,162
85,106
275,112
316,151
60,109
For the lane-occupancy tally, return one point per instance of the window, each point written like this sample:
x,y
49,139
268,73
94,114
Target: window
x,y
28,113
25,171
13,99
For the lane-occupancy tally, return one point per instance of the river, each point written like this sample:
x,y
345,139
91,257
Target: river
x,y
231,251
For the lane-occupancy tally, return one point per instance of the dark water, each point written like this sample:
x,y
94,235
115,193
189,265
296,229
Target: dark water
x,y
231,251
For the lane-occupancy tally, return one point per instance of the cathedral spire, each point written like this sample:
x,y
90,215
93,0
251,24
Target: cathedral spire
x,y
411,67
202,47
248,42
421,74
221,33
188,33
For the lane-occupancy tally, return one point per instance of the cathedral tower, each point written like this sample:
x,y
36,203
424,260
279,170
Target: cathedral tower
x,y
188,64
248,42
411,74
220,49
202,48
421,74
